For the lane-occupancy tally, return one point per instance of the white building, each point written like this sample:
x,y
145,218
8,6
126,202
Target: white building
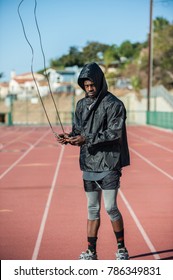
x,y
24,85
3,89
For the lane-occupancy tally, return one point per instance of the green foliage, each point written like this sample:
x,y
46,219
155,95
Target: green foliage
x,y
163,56
110,55
111,78
136,82
126,49
136,64
130,50
93,51
74,57
160,23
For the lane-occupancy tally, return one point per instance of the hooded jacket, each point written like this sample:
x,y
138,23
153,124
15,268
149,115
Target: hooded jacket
x,y
102,124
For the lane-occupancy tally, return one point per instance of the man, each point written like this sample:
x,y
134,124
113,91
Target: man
x,y
99,129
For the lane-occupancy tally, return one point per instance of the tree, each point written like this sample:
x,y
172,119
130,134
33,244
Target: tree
x,y
137,67
136,82
136,54
126,49
74,57
163,56
110,55
160,23
131,50
92,51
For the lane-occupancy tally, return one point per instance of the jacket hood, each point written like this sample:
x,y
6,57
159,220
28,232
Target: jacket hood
x,y
93,72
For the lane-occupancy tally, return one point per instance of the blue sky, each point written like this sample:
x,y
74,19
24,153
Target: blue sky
x,y
66,23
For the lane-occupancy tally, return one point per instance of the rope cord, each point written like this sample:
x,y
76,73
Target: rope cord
x,y
32,72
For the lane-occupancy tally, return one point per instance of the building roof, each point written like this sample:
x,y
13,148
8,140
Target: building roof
x,y
4,84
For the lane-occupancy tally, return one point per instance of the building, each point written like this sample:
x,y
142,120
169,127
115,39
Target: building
x,y
3,89
23,86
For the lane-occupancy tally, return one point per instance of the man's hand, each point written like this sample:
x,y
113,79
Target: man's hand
x,y
78,140
63,139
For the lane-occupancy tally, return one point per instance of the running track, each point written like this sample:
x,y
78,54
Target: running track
x,y
43,205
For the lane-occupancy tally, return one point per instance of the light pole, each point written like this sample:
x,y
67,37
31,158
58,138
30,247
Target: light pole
x,y
150,56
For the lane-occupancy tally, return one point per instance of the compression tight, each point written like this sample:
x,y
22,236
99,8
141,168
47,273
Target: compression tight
x,y
94,204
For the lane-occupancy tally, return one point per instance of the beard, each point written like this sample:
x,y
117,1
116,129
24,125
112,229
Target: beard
x,y
89,100
91,94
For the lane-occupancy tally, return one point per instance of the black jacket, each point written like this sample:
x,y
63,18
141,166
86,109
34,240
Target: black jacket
x,y
103,126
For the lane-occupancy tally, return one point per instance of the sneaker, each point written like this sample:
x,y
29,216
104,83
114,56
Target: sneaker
x,y
122,254
88,255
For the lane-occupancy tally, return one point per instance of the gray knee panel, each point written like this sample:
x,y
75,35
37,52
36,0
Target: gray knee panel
x,y
110,201
94,199
93,212
113,213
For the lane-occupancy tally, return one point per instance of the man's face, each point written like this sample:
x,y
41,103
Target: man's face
x,y
90,88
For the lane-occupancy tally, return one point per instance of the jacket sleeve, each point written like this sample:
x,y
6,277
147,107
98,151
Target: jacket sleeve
x,y
76,127
116,116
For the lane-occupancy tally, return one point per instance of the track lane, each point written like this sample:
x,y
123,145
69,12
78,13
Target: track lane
x,y
15,158
66,237
150,193
46,210
158,155
5,143
26,189
23,196
160,136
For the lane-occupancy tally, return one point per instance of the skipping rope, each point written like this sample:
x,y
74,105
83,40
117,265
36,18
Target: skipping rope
x,y
45,70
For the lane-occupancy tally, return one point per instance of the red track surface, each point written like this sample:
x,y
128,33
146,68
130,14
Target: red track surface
x,y
43,206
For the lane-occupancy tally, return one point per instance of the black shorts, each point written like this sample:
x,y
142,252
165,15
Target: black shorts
x,y
109,182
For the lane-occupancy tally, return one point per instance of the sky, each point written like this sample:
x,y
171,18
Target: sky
x,y
67,23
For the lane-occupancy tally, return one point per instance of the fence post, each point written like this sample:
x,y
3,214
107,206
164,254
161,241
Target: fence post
x,y
148,117
10,113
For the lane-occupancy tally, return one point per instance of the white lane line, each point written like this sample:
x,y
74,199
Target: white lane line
x,y
20,158
144,128
151,142
14,140
46,211
7,133
152,164
139,226
166,130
